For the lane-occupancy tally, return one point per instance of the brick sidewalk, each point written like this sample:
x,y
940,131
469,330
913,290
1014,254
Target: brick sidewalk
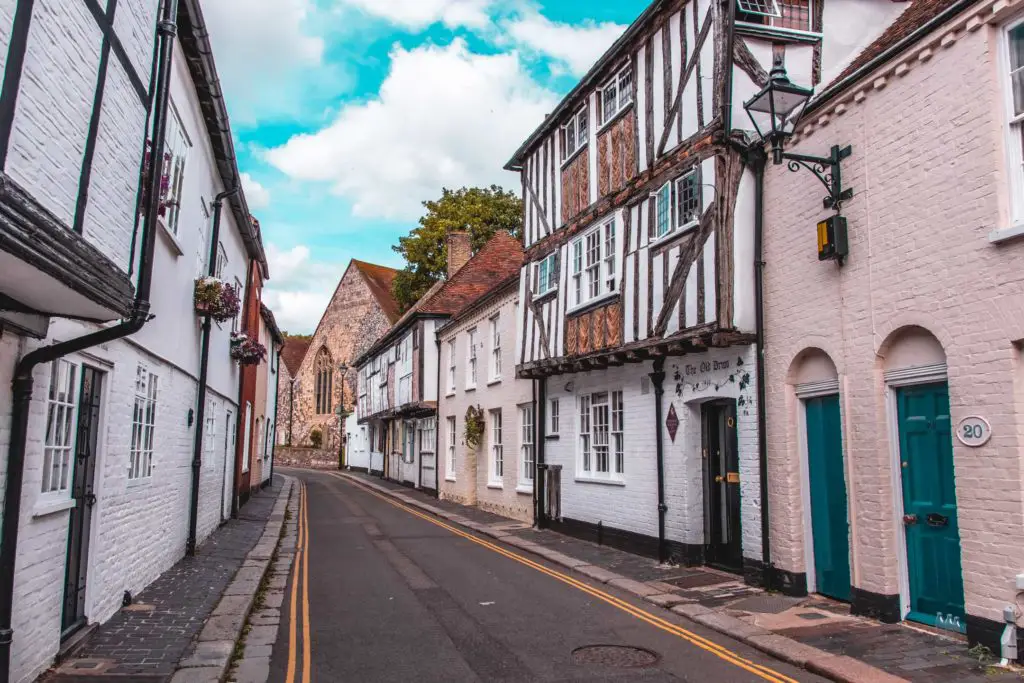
x,y
710,596
143,643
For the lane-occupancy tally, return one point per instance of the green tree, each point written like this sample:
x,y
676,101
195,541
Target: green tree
x,y
482,211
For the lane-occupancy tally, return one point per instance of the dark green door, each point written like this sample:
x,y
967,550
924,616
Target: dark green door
x,y
929,505
829,518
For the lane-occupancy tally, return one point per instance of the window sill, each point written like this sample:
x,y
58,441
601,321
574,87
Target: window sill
x,y
496,487
450,480
51,507
592,303
1001,235
140,482
172,240
673,234
525,489
572,157
496,380
472,388
603,482
551,437
449,394
763,31
541,298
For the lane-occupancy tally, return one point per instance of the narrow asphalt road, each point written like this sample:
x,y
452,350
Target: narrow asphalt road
x,y
393,596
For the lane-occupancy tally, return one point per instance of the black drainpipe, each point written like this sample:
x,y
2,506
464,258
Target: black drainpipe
x,y
540,390
756,157
23,382
658,379
437,424
204,366
277,407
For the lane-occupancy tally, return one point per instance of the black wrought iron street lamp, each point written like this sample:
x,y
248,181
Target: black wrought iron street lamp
x,y
343,369
775,111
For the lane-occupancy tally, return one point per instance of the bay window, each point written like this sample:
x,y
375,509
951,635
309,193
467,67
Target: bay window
x,y
593,263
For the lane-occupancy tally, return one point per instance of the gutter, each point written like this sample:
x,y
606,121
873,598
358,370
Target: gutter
x,y
23,382
658,378
204,366
838,86
540,390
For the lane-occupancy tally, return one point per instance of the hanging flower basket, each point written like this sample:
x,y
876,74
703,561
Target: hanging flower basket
x,y
474,427
247,351
216,299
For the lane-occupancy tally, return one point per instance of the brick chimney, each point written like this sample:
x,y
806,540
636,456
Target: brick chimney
x,y
459,250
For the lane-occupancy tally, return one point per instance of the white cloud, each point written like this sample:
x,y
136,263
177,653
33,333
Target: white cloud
x,y
419,14
257,195
577,47
444,117
261,48
299,288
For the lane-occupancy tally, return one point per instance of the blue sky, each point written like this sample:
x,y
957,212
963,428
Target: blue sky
x,y
349,113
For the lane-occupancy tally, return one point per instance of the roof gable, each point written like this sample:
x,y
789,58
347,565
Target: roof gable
x,y
379,279
294,352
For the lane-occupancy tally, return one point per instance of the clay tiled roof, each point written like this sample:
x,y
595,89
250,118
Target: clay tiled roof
x,y
379,279
917,15
497,261
293,352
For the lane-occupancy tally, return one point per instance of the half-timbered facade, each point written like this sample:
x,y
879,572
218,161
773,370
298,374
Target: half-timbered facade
x,y
398,375
638,287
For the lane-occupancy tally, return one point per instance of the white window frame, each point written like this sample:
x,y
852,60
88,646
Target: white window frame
x,y
494,372
61,434
427,429
471,359
553,416
1013,130
594,271
774,16
210,427
177,145
527,448
601,453
546,274
247,438
403,353
452,436
622,97
140,455
496,466
576,133
675,223
451,367
222,261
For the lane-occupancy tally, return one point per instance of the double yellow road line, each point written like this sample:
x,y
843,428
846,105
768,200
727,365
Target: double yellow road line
x,y
654,620
300,568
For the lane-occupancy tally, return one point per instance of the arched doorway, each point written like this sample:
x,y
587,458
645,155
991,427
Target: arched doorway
x,y
827,526
914,365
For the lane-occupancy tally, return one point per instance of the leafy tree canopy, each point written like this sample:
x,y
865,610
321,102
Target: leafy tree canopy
x,y
482,211
299,337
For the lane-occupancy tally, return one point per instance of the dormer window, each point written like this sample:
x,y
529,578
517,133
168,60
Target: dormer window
x,y
616,95
575,133
788,14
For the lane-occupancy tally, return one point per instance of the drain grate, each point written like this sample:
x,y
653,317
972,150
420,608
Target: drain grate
x,y
617,656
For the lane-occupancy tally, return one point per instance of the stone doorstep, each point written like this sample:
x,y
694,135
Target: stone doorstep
x,y
208,660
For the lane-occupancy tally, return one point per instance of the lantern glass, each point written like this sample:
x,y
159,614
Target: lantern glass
x,y
777,108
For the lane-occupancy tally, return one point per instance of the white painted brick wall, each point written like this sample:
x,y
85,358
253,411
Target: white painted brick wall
x,y
139,527
471,485
929,176
633,505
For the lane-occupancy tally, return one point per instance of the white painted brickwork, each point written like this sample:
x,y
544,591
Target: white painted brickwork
x,y
632,505
471,486
928,169
139,527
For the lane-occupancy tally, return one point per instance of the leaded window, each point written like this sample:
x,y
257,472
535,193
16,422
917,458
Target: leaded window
x,y
61,409
324,382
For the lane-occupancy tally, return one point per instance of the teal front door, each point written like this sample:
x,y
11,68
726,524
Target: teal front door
x,y
830,525
929,507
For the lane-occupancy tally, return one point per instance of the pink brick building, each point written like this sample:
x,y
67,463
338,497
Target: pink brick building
x,y
876,368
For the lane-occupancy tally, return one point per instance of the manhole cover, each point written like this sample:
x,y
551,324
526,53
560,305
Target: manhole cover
x,y
698,580
619,656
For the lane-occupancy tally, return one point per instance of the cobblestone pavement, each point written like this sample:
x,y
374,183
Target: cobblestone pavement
x,y
144,642
904,650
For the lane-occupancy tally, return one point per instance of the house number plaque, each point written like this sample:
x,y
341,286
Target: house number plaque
x,y
974,431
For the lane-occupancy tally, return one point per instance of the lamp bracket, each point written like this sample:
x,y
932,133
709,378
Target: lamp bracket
x,y
827,170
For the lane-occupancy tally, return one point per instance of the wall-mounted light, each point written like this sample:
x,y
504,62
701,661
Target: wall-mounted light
x,y
570,386
191,417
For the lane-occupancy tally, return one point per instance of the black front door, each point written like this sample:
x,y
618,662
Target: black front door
x,y
87,433
722,486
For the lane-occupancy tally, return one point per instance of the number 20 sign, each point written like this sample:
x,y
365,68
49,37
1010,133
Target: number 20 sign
x,y
974,431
